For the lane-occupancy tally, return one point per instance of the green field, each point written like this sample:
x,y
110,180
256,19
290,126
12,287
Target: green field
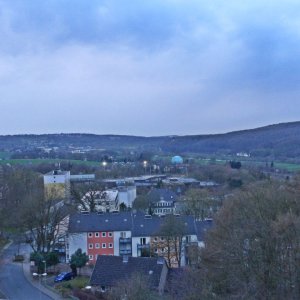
x,y
288,166
291,167
47,161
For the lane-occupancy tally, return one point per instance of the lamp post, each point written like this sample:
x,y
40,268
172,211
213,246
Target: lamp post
x,y
40,276
45,267
145,165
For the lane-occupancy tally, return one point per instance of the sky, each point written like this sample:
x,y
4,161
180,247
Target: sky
x,y
148,67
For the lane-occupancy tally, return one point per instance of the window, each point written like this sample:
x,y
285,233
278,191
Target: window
x,y
90,234
103,234
96,234
110,234
188,238
91,246
91,257
103,289
155,239
162,238
103,245
110,245
155,250
97,245
143,241
123,234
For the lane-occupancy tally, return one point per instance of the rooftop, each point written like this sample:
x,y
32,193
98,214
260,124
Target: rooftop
x,y
157,195
109,270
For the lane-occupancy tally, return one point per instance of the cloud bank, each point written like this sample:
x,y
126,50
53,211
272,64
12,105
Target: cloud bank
x,y
147,67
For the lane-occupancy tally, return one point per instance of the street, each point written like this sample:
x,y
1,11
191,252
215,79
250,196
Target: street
x,y
13,283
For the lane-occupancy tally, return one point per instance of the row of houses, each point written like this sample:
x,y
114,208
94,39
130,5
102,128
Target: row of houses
x,y
134,234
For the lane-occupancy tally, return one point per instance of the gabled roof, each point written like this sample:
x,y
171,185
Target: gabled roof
x,y
81,222
143,226
157,195
137,223
109,270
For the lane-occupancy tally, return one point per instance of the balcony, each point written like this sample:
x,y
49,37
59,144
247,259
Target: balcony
x,y
125,240
125,251
143,246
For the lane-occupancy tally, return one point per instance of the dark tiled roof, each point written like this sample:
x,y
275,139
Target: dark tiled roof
x,y
143,226
80,222
109,270
157,195
202,227
137,223
151,226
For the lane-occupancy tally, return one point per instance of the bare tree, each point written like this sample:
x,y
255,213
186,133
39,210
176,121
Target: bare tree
x,y
253,251
86,195
169,242
42,219
135,287
200,204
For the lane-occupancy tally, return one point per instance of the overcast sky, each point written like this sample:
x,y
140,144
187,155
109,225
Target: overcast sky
x,y
148,67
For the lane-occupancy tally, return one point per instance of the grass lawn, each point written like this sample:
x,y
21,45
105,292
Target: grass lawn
x,y
65,288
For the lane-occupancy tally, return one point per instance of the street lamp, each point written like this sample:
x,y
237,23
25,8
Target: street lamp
x,y
45,266
40,276
145,165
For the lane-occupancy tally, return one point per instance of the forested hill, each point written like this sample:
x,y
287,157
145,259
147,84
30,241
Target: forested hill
x,y
280,140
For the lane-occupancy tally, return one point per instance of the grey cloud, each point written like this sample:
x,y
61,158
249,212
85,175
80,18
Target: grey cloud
x,y
147,67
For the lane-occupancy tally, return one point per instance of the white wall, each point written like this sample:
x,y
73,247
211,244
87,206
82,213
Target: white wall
x,y
59,178
127,195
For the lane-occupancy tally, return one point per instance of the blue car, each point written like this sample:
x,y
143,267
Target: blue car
x,y
64,276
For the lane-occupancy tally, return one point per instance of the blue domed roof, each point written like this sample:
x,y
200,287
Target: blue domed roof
x,y
177,160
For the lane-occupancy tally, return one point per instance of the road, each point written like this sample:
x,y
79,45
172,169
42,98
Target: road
x,y
13,283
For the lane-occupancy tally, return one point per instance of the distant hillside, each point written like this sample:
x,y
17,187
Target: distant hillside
x,y
280,141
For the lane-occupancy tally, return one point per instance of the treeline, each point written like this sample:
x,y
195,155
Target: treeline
x,y
280,141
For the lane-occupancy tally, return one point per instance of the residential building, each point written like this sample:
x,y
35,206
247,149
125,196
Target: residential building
x,y
162,201
149,238
57,184
126,195
99,234
134,234
110,270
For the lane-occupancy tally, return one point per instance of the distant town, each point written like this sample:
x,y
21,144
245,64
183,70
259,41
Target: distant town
x,y
97,224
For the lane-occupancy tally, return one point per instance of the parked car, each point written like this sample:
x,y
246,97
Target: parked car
x,y
64,276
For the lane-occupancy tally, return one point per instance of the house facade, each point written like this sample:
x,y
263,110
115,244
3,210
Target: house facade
x,y
133,234
57,184
162,201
